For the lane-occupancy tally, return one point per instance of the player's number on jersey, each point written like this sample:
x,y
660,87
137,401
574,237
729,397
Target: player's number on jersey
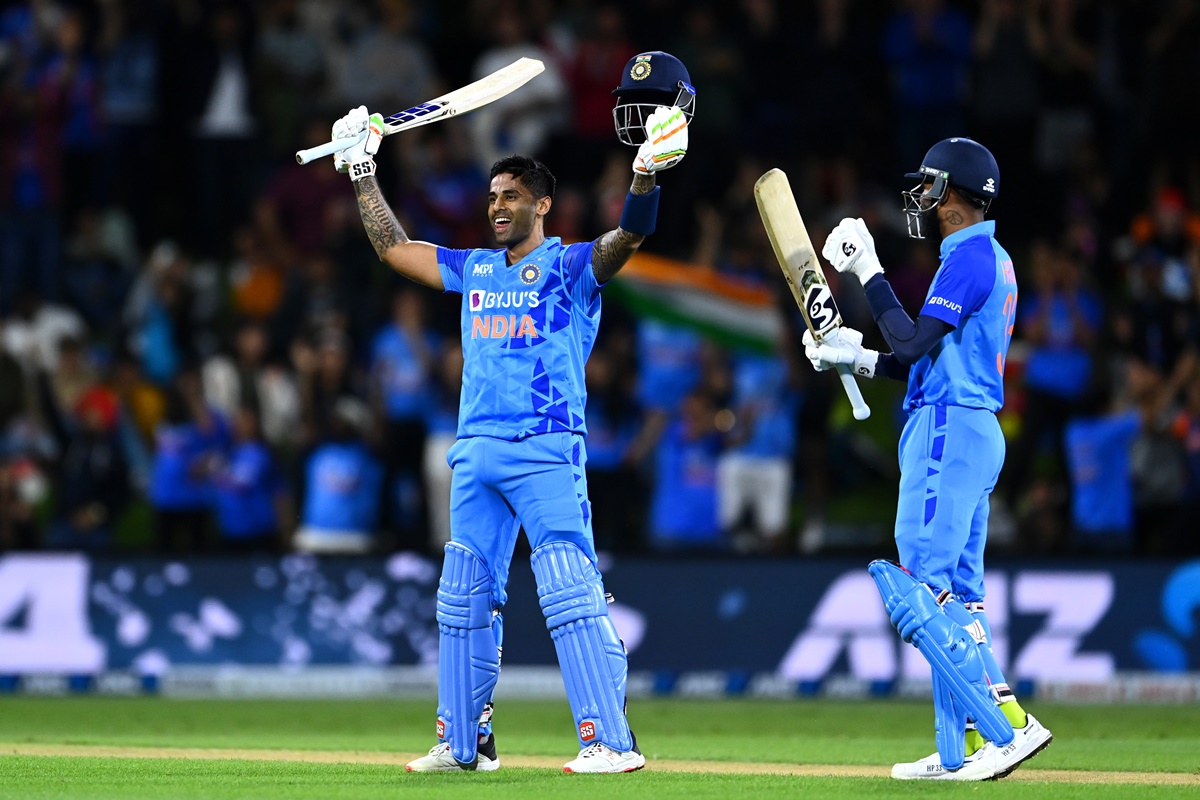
x,y
822,311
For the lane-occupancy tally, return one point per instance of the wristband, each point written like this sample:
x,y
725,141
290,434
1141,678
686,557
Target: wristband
x,y
361,169
640,212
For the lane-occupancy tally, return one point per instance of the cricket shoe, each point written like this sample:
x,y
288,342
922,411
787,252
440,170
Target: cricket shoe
x,y
599,758
440,759
1027,742
979,766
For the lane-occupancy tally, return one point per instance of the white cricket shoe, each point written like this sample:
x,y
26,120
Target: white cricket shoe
x,y
979,766
1027,743
599,758
440,759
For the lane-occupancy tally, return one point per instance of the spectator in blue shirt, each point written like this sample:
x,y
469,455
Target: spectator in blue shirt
x,y
248,489
683,505
402,380
189,439
342,487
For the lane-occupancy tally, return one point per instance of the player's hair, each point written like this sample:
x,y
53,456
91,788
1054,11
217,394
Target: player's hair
x,y
532,174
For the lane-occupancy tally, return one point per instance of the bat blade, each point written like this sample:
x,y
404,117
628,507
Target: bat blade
x,y
487,89
798,259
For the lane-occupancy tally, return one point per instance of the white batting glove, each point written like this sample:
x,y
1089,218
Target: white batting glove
x,y
357,160
841,345
666,141
851,248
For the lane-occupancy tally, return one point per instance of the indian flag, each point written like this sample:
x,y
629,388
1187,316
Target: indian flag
x,y
732,312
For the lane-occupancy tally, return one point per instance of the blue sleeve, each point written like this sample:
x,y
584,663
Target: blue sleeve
x,y
577,265
450,264
963,284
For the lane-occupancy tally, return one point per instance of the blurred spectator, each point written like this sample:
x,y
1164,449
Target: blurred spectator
x,y
402,388
72,71
289,72
130,75
927,47
324,377
96,277
523,121
314,299
158,314
1059,318
222,119
441,423
387,68
23,486
342,487
36,331
246,378
256,275
683,503
615,486
188,443
249,494
442,186
92,484
34,99
754,473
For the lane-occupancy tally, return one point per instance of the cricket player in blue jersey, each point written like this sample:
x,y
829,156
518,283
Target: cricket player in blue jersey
x,y
951,449
530,313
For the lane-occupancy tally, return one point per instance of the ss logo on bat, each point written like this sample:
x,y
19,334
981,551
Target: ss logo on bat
x,y
822,311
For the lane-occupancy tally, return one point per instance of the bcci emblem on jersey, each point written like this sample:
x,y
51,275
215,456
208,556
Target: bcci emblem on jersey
x,y
530,273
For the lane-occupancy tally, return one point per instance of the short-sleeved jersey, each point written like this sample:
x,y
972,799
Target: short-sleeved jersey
x,y
975,291
527,331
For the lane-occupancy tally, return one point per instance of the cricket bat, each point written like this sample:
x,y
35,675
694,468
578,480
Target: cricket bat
x,y
487,89
806,279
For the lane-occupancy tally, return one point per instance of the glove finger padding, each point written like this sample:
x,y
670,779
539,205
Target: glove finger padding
x,y
666,141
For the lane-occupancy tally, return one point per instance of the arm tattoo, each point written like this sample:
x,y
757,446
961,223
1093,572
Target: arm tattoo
x,y
613,249
383,229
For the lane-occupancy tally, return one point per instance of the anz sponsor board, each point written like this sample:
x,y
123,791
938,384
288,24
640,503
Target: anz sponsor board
x,y
795,622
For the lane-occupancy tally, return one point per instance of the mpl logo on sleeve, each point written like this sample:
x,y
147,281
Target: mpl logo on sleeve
x,y
587,730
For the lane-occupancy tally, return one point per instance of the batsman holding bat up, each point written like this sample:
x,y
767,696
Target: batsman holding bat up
x,y
951,451
530,312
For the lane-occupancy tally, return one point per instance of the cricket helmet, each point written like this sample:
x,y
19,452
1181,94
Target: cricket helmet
x,y
961,163
650,80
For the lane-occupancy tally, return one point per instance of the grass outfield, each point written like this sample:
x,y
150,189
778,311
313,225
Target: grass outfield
x,y
132,748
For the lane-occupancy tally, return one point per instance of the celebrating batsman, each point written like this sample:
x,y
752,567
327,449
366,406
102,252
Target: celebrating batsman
x,y
951,449
529,318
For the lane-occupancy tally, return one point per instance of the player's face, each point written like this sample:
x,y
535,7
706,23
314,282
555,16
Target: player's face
x,y
512,210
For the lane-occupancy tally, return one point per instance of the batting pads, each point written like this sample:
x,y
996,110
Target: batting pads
x,y
591,656
468,662
960,681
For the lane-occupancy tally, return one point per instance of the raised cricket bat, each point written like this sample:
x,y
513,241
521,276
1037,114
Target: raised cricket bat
x,y
470,97
806,279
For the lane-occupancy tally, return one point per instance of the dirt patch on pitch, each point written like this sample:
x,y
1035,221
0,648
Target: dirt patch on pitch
x,y
1028,774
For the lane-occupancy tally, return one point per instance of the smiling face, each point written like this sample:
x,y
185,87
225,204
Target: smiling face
x,y
514,213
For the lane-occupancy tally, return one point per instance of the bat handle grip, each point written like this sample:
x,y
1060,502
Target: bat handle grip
x,y
861,409
328,149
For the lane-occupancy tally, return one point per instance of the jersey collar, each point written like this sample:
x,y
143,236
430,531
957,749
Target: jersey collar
x,y
985,228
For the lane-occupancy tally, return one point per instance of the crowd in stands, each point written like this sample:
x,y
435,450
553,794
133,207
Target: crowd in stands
x,y
199,350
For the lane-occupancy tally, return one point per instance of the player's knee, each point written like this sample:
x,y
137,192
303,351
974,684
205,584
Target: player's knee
x,y
569,585
464,597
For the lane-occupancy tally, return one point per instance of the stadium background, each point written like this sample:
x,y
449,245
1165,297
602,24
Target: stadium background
x,y
178,297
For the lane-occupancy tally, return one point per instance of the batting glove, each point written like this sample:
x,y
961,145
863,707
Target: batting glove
x,y
666,141
851,248
357,159
841,345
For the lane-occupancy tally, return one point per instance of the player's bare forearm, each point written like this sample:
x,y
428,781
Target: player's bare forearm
x,y
416,261
383,229
612,250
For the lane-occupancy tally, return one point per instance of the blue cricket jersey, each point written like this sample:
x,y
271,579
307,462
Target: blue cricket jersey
x,y
527,331
974,290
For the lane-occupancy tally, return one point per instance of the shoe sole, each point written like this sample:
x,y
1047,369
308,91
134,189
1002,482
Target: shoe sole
x,y
491,766
607,772
1010,770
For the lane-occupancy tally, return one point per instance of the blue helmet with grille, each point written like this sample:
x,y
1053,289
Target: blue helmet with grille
x,y
960,163
650,80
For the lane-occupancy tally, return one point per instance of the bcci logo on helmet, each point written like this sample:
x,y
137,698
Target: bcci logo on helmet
x,y
641,68
587,731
